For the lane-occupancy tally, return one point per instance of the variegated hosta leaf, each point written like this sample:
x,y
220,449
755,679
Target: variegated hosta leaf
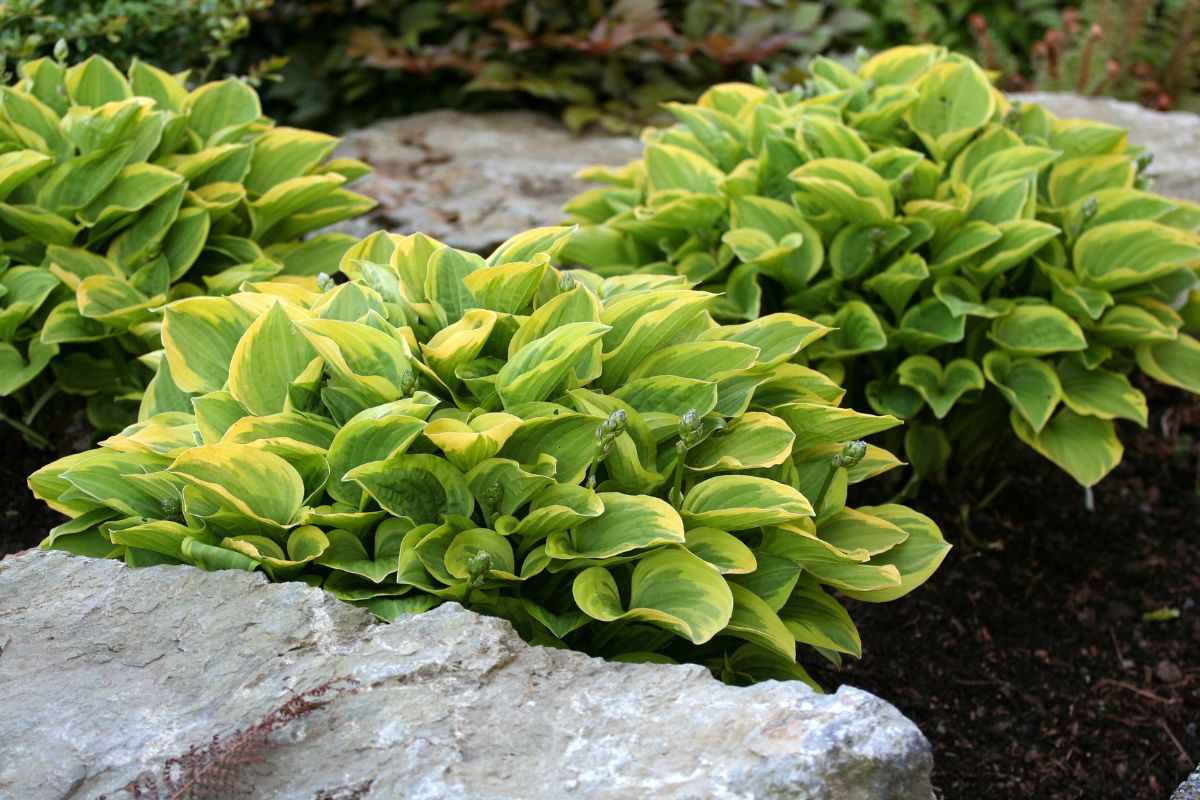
x,y
953,252
427,432
125,192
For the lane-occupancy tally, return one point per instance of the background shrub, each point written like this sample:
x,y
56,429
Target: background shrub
x,y
120,193
174,34
998,33
609,63
987,267
596,460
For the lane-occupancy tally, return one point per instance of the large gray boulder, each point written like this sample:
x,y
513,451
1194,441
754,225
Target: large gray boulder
x,y
473,180
1173,136
1190,788
106,671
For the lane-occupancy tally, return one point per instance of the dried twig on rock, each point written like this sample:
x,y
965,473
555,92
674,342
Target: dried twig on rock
x,y
228,766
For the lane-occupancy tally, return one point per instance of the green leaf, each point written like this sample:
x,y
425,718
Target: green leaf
x,y
670,167
915,559
813,617
245,479
1029,385
96,82
1035,330
941,387
423,488
200,335
1086,448
753,620
671,589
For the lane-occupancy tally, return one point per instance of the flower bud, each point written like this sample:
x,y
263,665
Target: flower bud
x,y
493,496
408,382
478,567
690,427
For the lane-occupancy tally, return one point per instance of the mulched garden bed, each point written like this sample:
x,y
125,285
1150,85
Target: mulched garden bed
x,y
1030,668
26,520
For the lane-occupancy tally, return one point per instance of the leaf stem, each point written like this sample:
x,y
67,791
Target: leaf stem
x,y
35,438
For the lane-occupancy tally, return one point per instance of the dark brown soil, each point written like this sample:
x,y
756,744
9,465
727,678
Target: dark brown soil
x,y
1033,668
26,520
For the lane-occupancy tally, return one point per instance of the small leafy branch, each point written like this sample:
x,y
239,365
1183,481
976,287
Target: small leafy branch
x,y
229,765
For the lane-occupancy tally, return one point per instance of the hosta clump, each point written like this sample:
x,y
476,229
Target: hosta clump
x,y
594,459
119,193
986,265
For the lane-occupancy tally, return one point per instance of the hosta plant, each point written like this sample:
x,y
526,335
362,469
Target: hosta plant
x,y
986,266
596,460
119,193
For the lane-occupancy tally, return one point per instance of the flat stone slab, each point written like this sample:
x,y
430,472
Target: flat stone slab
x,y
474,180
107,671
1172,136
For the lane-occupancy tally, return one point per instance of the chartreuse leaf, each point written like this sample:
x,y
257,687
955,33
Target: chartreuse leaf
x,y
813,617
467,443
754,440
1085,447
525,246
671,589
200,335
915,559
850,189
1099,393
723,550
558,508
628,523
568,438
269,356
346,553
740,502
541,366
1176,363
954,101
817,423
247,479
1122,254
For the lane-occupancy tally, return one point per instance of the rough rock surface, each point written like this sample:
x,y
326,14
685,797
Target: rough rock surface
x,y
107,671
473,180
1189,789
1173,136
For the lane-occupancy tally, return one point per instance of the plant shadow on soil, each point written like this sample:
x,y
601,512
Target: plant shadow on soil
x,y
1030,668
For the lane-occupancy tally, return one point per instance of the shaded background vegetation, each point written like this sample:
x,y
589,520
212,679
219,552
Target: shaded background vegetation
x,y
334,64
